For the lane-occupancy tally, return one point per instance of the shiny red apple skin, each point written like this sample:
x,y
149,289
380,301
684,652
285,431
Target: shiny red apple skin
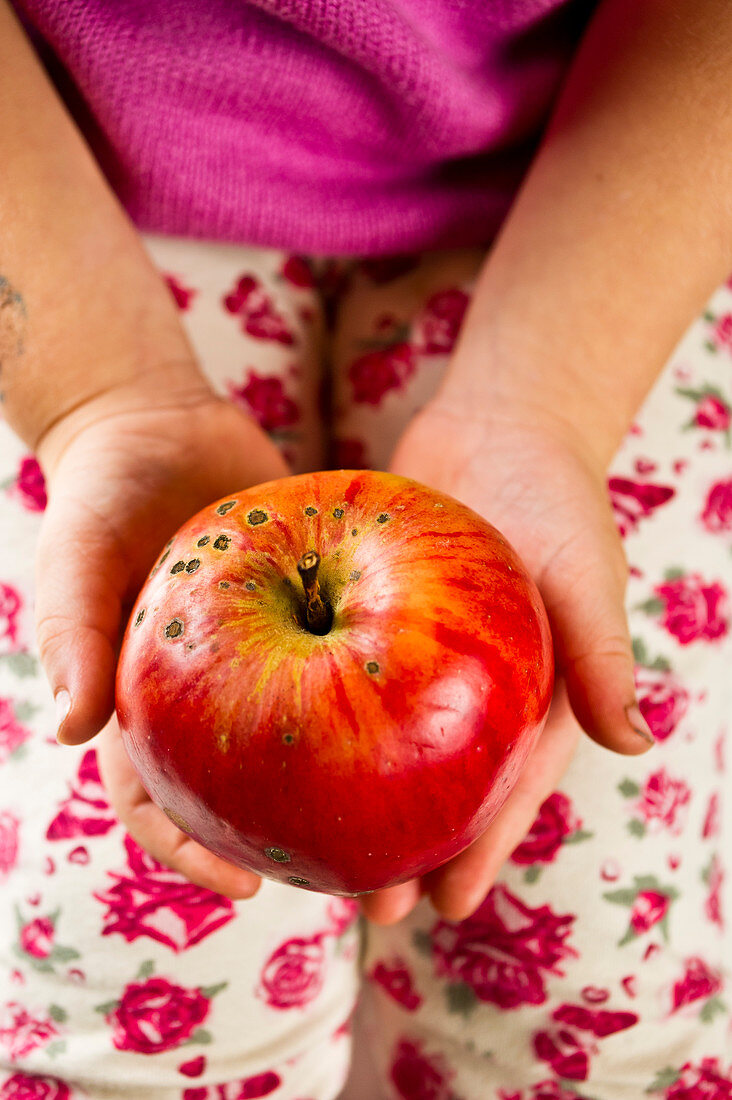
x,y
361,758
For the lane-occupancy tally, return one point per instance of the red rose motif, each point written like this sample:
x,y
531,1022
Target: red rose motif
x,y
21,1033
342,913
36,937
565,1053
9,827
699,982
417,1077
713,902
664,801
712,412
712,825
256,310
24,1086
722,332
633,501
12,733
600,1021
148,899
717,513
156,1015
349,454
648,909
182,295
266,400
297,271
705,1081
29,487
504,949
553,823
694,610
86,811
662,700
437,328
394,977
194,1067
10,605
294,973
373,375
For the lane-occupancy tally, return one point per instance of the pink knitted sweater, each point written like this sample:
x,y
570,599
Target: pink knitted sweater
x,y
323,126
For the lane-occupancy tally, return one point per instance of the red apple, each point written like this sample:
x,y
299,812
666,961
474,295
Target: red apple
x,y
335,679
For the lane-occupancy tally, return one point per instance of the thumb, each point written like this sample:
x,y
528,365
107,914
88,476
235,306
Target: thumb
x,y
81,576
592,639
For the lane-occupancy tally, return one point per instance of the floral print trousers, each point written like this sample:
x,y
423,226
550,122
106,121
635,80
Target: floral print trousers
x,y
597,968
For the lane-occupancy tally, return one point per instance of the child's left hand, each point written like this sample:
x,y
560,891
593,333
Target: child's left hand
x,y
533,477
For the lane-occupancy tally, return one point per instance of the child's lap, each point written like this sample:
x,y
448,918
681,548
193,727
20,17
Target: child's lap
x,y
122,981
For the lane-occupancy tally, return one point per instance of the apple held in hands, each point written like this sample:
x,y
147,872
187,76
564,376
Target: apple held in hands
x,y
334,679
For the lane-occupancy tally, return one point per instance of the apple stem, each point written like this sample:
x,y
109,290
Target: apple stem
x,y
318,614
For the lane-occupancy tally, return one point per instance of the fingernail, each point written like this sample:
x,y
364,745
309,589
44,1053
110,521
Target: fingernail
x,y
63,706
638,723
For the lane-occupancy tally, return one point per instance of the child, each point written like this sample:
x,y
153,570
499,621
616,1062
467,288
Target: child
x,y
395,133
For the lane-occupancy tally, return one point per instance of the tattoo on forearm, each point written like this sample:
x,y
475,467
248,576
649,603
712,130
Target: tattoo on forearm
x,y
13,319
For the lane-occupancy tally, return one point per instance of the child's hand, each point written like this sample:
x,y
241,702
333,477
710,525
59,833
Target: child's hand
x,y
123,475
530,476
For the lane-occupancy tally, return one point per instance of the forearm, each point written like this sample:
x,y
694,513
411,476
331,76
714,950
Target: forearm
x,y
82,311
621,231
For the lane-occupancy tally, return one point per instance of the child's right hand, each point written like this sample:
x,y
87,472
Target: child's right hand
x,y
123,473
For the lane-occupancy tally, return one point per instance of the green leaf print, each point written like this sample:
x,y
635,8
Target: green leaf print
x,y
422,942
21,664
628,788
625,896
715,1006
461,998
665,1078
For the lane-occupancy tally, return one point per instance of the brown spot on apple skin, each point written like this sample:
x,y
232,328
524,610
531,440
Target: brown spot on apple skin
x,y
354,532
193,565
355,575
295,880
372,667
288,738
224,584
222,542
257,517
178,567
140,616
383,517
174,629
338,513
224,508
204,541
279,855
250,586
311,511
178,821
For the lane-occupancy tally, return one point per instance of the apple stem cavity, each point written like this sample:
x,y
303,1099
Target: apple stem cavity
x,y
318,613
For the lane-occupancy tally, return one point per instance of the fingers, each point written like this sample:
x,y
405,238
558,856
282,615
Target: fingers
x,y
392,904
584,592
154,832
80,580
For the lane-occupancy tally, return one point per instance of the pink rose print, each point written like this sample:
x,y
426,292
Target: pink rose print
x,y
417,1077
21,1033
633,501
722,332
249,1088
156,1015
148,899
437,327
555,821
712,412
297,271
9,827
373,375
649,908
10,605
37,936
692,609
266,400
714,878
394,977
12,733
662,700
503,951
293,975
183,295
23,1086
705,1081
194,1067
29,486
717,512
86,811
567,1053
259,318
712,825
350,454
600,1021
664,801
342,913
699,982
